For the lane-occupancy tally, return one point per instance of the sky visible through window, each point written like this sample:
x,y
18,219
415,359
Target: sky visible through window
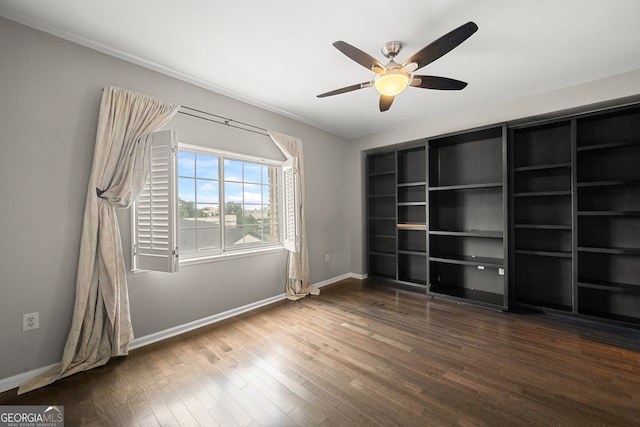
x,y
206,184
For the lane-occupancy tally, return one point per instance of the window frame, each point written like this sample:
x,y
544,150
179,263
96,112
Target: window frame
x,y
223,252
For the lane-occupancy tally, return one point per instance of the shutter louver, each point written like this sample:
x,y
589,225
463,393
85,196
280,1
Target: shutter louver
x,y
154,212
290,214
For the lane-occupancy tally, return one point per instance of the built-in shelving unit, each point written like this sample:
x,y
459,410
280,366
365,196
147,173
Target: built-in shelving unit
x,y
542,215
575,211
412,216
397,203
381,205
608,215
467,217
545,216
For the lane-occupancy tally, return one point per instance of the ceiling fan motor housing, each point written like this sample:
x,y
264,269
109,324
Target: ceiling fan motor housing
x,y
391,49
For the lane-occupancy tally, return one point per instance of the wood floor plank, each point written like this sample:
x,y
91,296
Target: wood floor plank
x,y
181,413
163,414
198,411
217,385
295,384
361,355
149,421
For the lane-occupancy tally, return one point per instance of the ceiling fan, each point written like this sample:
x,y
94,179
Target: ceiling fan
x,y
393,78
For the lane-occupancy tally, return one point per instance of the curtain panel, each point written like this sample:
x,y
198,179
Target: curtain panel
x,y
101,325
297,284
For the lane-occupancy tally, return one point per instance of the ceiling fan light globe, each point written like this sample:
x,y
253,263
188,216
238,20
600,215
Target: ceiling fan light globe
x,y
392,83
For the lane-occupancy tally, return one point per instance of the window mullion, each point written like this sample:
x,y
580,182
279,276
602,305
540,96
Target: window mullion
x,y
261,188
222,205
242,224
195,202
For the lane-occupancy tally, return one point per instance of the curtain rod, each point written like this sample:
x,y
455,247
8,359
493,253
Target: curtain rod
x,y
226,121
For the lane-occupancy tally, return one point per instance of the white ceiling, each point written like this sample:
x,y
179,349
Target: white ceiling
x,y
278,54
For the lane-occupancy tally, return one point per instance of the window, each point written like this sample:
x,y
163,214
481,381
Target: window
x,y
200,202
225,202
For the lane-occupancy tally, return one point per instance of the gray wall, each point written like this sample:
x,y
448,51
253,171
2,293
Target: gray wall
x,y
50,92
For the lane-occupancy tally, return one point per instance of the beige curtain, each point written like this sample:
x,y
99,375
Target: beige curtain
x,y
101,325
297,285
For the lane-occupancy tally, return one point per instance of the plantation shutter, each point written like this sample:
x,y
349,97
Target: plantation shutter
x,y
154,213
291,214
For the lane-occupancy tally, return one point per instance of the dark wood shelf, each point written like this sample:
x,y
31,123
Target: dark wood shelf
x,y
416,283
468,260
382,218
466,187
607,145
385,254
383,236
542,167
467,294
543,226
421,227
543,253
609,286
416,253
384,275
412,184
543,304
383,173
542,193
614,251
609,183
382,196
412,203
609,213
468,233
610,316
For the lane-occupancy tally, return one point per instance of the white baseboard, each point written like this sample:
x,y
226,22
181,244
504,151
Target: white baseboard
x,y
187,327
15,381
332,280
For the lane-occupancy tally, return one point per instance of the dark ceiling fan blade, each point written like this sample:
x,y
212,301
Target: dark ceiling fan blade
x,y
441,46
439,83
362,58
346,89
385,102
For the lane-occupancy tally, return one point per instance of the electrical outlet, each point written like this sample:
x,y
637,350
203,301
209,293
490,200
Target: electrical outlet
x,y
326,257
30,321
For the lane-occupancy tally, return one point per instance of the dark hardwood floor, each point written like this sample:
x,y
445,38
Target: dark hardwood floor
x,y
357,355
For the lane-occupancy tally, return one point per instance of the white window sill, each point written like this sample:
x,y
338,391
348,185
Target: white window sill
x,y
231,254
223,256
